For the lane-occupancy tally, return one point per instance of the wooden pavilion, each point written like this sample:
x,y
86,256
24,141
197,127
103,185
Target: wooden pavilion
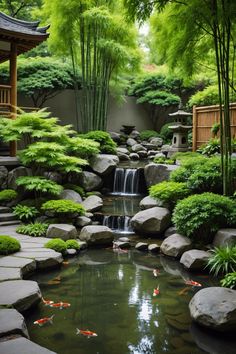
x,y
16,37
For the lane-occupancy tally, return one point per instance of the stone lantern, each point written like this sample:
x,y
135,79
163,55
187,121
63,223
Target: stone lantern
x,y
180,131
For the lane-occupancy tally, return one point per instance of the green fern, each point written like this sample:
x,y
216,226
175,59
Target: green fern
x,y
39,184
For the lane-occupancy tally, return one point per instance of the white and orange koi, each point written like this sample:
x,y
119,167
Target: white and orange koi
x,y
60,305
86,333
43,321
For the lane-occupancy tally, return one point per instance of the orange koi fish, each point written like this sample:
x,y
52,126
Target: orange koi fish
x,y
47,302
86,333
184,291
156,272
60,305
65,263
192,283
43,321
156,291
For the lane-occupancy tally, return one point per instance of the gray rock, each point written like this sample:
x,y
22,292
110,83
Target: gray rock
x,y
53,176
63,231
22,346
151,153
141,246
115,136
104,164
156,141
124,239
134,134
134,156
92,203
88,215
149,202
21,294
175,245
153,221
138,147
123,157
71,252
12,322
142,154
170,231
165,148
131,141
122,150
15,173
225,237
194,259
156,173
160,154
96,235
69,194
3,177
26,265
215,308
149,146
10,274
82,221
153,247
83,245
90,181
121,244
44,259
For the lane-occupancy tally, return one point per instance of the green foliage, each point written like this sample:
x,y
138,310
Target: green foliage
x,y
75,188
39,184
8,245
57,245
215,128
63,206
24,212
85,148
211,148
148,134
200,216
222,260
20,9
36,229
169,192
107,145
164,160
229,281
72,244
160,98
166,133
7,195
208,96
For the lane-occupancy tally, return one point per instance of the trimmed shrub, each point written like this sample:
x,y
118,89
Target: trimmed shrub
x,y
36,229
57,244
24,212
222,260
107,145
63,206
229,281
72,244
8,245
148,134
7,195
169,192
200,216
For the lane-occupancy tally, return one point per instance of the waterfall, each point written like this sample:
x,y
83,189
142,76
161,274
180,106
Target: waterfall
x,y
119,224
126,181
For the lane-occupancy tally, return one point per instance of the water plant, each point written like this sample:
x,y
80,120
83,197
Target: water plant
x,y
8,245
169,192
229,280
36,229
63,206
222,260
7,195
24,212
200,216
57,244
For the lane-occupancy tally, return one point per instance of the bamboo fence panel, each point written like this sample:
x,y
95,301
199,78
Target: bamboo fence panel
x,y
203,120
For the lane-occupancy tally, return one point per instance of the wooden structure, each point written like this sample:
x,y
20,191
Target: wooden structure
x,y
203,120
16,37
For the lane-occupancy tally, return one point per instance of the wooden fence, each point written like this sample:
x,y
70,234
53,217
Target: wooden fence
x,y
203,120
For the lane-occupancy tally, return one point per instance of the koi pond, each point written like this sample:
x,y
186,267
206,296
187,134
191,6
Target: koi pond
x,y
111,294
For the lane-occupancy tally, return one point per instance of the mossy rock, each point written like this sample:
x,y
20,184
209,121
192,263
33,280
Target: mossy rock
x,y
173,311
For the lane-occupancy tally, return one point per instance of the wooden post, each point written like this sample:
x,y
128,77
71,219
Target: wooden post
x,y
194,128
13,82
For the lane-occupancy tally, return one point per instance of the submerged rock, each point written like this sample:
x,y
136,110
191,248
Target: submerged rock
x,y
215,308
153,221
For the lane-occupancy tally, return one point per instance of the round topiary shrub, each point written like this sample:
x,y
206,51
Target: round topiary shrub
x,y
57,244
8,245
62,207
7,195
72,244
199,216
169,192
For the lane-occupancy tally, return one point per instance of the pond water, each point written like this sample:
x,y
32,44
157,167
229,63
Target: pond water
x,y
111,294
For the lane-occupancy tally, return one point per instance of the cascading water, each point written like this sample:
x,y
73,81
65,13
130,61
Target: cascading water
x,y
119,224
126,181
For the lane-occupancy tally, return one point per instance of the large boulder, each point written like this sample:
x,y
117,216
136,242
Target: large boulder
x,y
215,308
16,173
149,202
131,142
63,231
20,294
96,235
175,245
138,147
82,221
69,194
156,173
194,259
12,322
53,176
92,203
90,181
104,164
225,237
151,221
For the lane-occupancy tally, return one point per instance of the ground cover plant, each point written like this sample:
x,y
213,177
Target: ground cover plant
x,y
36,229
72,244
57,244
25,213
63,206
7,195
8,245
229,280
149,134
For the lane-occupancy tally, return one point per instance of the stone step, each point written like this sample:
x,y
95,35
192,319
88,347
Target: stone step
x,y
7,217
4,209
9,223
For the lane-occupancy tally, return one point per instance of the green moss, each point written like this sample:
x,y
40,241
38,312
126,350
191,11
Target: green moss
x,y
63,206
57,245
7,195
72,244
8,245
